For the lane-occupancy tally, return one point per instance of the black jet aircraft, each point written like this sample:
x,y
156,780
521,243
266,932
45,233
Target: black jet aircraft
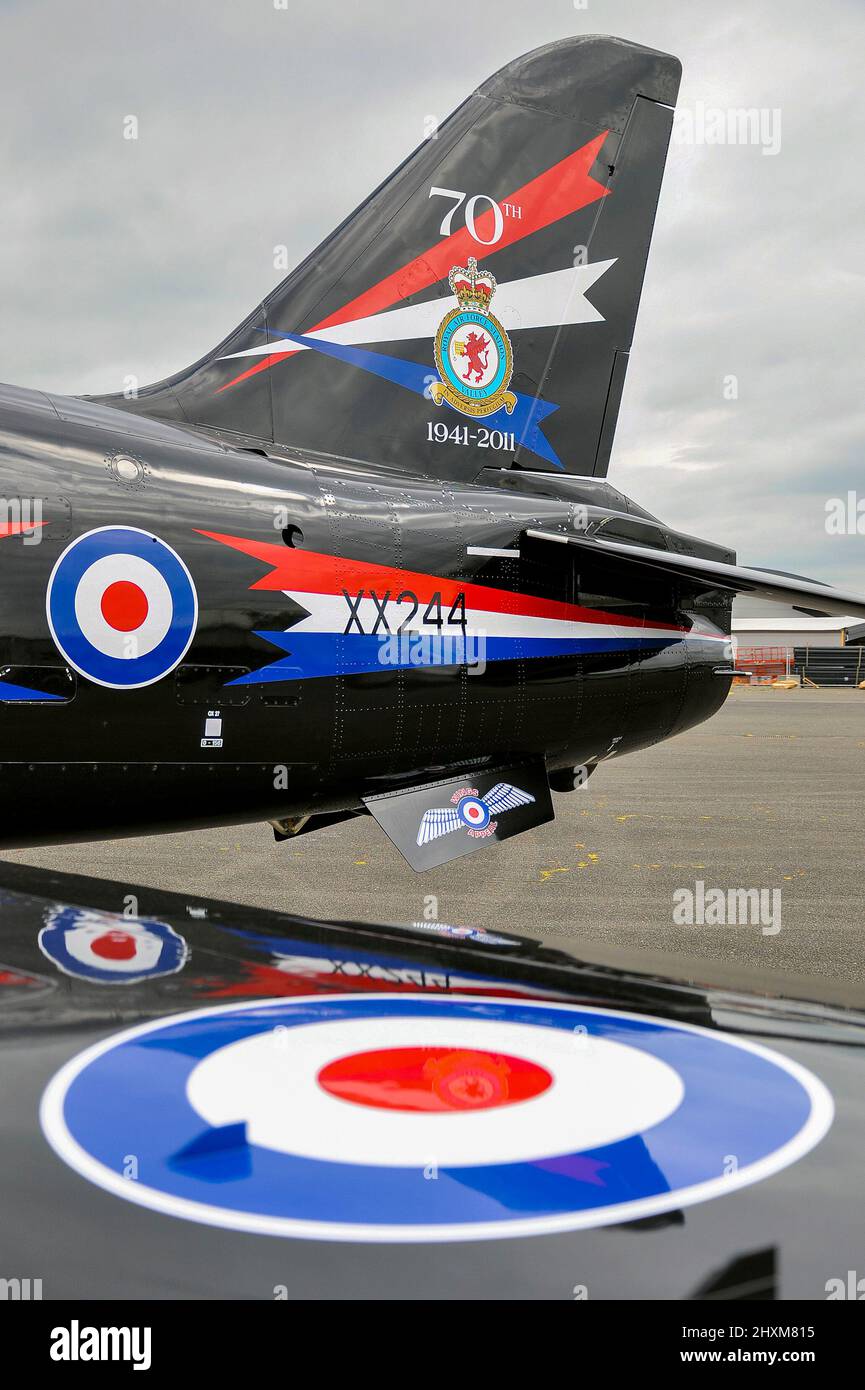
x,y
363,556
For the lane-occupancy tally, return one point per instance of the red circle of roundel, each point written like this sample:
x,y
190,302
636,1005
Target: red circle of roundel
x,y
433,1079
124,605
114,945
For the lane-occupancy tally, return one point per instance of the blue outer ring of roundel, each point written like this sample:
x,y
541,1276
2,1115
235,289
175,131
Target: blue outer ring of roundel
x,y
117,672
52,943
462,812
129,1096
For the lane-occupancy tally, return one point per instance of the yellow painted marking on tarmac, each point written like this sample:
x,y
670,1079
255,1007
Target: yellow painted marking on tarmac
x,y
546,874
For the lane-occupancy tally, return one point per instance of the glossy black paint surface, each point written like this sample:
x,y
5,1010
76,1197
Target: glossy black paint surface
x,y
106,762
801,1227
605,94
327,455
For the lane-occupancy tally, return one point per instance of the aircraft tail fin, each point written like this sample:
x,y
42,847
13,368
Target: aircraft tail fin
x,y
479,307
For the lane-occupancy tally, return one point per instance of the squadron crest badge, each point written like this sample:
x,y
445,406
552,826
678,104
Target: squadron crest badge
x,y
472,350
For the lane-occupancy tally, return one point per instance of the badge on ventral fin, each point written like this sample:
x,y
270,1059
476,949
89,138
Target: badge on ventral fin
x,y
472,350
443,820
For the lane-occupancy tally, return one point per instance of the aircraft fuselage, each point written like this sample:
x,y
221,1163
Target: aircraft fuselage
x,y
292,632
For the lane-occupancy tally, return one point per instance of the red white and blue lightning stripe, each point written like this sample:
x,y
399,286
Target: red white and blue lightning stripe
x,y
380,314
362,617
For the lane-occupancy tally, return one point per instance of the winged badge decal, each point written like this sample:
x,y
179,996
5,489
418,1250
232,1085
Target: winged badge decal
x,y
471,812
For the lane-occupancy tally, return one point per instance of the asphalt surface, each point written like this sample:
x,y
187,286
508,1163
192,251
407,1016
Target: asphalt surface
x,y
767,795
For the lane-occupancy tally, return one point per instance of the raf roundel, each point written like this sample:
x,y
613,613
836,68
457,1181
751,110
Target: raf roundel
x,y
122,607
106,949
416,1118
474,812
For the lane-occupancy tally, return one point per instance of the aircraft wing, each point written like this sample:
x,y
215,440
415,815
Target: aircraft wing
x,y
807,595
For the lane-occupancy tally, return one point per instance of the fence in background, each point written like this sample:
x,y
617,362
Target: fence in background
x,y
764,664
830,665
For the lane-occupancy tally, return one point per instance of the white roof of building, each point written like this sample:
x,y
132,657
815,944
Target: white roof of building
x,y
800,624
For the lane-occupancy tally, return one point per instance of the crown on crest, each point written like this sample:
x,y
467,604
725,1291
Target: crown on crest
x,y
473,288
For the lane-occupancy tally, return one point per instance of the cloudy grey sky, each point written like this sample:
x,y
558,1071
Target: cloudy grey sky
x,y
261,126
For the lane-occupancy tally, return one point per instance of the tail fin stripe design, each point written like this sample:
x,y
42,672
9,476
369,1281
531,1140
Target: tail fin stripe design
x,y
563,126
556,193
552,195
537,301
524,418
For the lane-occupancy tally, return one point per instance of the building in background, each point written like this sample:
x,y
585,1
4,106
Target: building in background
x,y
757,623
773,642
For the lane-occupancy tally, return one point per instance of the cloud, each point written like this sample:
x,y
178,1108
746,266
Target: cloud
x,y
261,127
